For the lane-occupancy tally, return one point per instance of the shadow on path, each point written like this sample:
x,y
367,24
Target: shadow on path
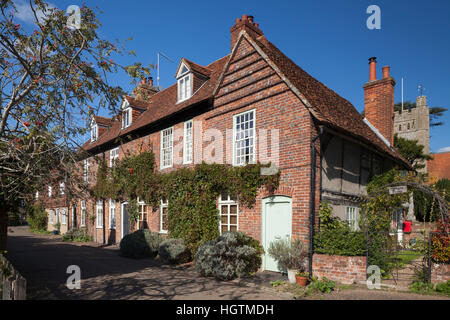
x,y
43,261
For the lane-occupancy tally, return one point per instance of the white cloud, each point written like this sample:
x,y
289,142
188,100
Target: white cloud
x,y
24,13
446,149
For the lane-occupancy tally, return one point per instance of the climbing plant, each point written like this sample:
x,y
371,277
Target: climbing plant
x,y
191,192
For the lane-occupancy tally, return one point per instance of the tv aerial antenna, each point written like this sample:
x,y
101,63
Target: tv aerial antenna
x,y
157,65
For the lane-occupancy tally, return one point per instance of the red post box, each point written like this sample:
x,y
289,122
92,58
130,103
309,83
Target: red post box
x,y
407,226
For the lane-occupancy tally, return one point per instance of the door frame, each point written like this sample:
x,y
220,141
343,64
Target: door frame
x,y
274,199
121,219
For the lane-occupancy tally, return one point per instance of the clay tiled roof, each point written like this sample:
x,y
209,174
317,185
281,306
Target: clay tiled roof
x,y
103,121
162,105
328,107
197,68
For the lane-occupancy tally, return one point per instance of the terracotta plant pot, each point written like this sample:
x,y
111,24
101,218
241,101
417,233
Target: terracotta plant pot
x,y
301,281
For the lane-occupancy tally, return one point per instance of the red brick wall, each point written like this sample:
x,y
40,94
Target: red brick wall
x,y
342,269
249,84
439,167
440,272
379,106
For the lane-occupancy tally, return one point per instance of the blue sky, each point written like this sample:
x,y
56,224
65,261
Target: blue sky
x,y
327,38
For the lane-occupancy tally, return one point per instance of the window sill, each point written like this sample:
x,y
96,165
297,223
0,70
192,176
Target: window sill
x,y
99,227
163,232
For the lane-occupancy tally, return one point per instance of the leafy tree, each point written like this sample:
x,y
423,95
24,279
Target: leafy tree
x,y
412,151
52,80
435,112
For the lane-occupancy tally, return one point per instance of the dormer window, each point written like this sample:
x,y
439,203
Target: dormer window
x,y
126,114
94,132
184,88
184,83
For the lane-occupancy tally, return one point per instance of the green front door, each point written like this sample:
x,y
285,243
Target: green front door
x,y
276,224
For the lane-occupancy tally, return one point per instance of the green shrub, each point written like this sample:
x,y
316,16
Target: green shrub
x,y
422,287
340,241
324,285
37,217
76,235
231,255
140,244
443,287
174,251
289,255
335,237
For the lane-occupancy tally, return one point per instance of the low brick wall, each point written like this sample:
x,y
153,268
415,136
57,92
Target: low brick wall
x,y
342,269
440,272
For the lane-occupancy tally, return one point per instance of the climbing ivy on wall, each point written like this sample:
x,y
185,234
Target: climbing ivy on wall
x,y
192,192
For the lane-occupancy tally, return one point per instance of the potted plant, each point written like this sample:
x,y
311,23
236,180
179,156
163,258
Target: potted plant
x,y
57,226
301,278
291,256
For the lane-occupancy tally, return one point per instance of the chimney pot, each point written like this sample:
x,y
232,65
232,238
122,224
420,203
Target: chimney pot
x,y
244,17
250,19
257,24
372,69
386,72
237,21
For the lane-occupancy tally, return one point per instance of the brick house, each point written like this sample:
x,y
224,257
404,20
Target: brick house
x,y
325,150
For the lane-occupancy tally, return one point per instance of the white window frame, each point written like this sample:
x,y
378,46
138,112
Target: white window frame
x,y
86,165
57,212
63,216
126,120
184,87
162,205
37,195
235,140
83,214
99,213
112,214
62,187
113,156
140,218
228,202
351,217
188,142
168,148
94,132
50,216
50,191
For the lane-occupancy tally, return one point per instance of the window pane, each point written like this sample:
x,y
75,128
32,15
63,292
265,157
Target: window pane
x,y
233,209
224,219
233,219
224,209
224,228
233,228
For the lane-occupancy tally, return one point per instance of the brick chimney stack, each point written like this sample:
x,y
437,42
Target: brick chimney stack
x,y
245,23
379,101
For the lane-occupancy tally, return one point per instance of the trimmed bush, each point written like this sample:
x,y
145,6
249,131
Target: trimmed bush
x,y
141,244
76,235
340,242
231,255
174,251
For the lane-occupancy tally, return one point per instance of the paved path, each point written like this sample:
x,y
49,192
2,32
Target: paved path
x,y
43,261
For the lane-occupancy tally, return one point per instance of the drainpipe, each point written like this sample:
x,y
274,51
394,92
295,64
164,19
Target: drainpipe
x,y
103,212
312,194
